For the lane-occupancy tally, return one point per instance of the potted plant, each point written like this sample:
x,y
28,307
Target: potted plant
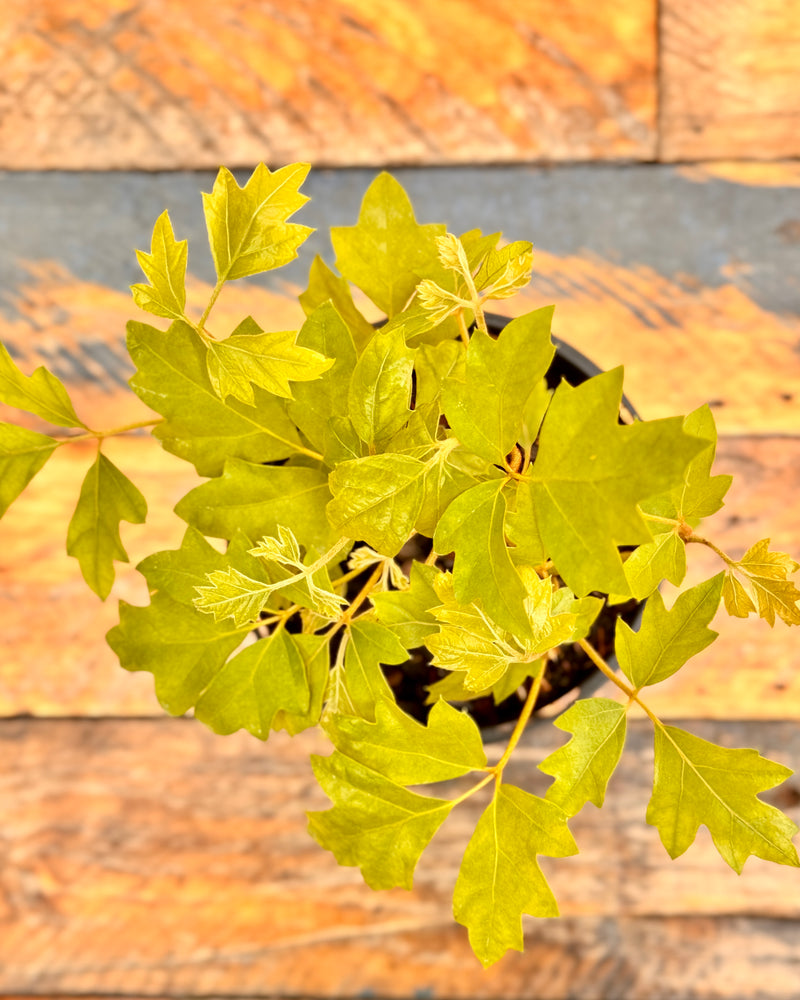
x,y
420,497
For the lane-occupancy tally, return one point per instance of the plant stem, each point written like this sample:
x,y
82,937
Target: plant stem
x,y
604,668
113,432
462,327
522,721
709,544
358,600
661,520
214,296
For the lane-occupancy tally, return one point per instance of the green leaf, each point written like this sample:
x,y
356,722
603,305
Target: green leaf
x,y
358,683
165,269
41,393
500,878
408,612
506,271
485,408
377,499
473,527
449,473
697,782
107,497
662,559
341,443
583,766
667,639
590,475
771,591
325,286
387,253
315,404
406,751
172,379
315,651
247,227
258,499
375,824
229,593
270,360
22,454
380,389
178,572
265,678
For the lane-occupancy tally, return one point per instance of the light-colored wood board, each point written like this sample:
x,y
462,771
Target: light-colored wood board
x,y
728,79
56,661
142,86
154,857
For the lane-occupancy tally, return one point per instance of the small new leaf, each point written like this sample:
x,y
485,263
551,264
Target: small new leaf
x,y
270,360
247,227
697,782
766,575
165,269
40,393
375,824
22,453
107,497
500,878
583,766
667,639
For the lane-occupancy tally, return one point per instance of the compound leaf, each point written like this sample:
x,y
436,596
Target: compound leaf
x,y
22,453
697,782
40,393
485,408
406,751
165,269
107,497
250,356
387,252
584,765
590,475
667,639
172,379
247,228
500,878
771,591
375,824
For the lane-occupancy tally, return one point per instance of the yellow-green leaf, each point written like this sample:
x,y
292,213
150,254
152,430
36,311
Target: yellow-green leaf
x,y
379,400
107,497
22,453
766,574
40,393
247,226
165,269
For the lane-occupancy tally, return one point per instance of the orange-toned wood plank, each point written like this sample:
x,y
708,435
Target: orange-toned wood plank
x,y
123,84
155,858
729,79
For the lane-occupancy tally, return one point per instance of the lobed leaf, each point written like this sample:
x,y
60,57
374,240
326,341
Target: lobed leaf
x,y
357,683
165,269
40,393
324,286
380,387
107,497
667,639
408,612
590,475
772,592
251,357
375,824
697,782
22,453
582,767
500,878
247,228
387,252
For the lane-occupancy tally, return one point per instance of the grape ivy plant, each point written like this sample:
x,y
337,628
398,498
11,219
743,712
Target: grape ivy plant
x,y
411,488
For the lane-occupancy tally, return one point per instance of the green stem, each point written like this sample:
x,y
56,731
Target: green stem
x,y
114,432
709,544
603,667
214,296
661,520
522,721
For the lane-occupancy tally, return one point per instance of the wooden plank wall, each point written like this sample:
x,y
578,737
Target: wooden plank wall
x,y
142,856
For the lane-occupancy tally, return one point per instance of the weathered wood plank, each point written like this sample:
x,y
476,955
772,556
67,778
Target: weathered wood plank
x,y
728,80
155,858
130,85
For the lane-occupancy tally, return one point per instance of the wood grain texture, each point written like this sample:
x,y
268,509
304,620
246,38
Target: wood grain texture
x,y
154,858
729,79
144,85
